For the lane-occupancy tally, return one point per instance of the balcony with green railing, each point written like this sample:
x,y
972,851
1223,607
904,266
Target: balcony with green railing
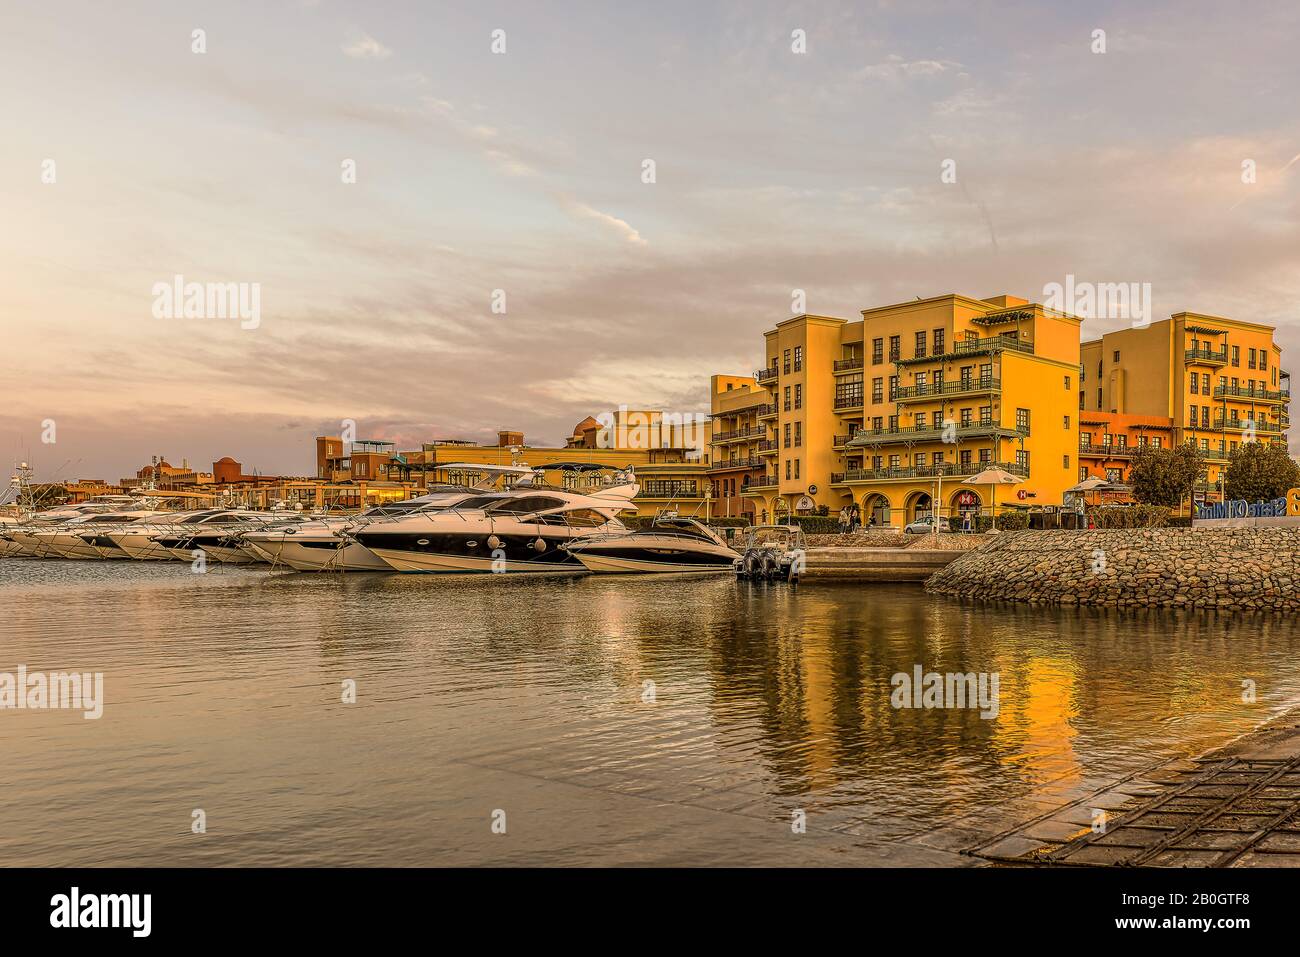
x,y
984,428
962,386
1214,357
852,364
989,345
915,472
1270,396
766,375
762,483
1221,424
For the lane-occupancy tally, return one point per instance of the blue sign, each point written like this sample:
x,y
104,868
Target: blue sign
x,y
1240,508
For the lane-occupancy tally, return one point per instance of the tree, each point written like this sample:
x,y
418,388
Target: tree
x,y
1258,472
1165,476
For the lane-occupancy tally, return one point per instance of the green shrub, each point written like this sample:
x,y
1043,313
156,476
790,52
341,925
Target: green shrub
x,y
817,524
1007,522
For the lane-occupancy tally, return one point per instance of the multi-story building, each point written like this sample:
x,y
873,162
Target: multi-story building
x,y
1107,441
890,412
743,451
1219,381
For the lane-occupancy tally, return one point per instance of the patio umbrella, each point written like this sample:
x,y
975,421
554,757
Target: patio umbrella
x,y
1091,484
993,477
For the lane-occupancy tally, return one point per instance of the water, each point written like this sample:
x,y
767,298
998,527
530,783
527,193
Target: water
x,y
530,697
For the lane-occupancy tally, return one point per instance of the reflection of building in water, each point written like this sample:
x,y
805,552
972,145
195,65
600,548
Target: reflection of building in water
x,y
1034,727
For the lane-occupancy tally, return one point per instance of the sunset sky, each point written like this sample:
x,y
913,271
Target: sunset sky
x,y
522,171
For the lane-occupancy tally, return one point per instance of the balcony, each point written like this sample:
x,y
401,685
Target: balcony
x,y
1206,356
1243,425
762,482
924,433
740,435
768,447
848,365
971,386
989,345
765,375
948,470
1251,395
748,462
853,401
1106,450
766,411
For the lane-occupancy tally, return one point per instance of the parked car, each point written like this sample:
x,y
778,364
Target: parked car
x,y
925,527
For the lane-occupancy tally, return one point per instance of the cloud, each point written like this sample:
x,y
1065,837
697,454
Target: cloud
x,y
620,226
366,47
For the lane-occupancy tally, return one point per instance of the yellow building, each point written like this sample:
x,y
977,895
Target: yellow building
x,y
892,411
1219,380
742,450
668,455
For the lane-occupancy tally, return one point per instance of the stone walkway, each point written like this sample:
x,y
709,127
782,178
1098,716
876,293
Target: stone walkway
x,y
1238,806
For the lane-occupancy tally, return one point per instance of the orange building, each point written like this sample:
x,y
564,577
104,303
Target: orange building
x,y
1107,441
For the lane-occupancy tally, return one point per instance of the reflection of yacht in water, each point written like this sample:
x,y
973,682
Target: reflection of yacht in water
x,y
324,545
671,544
519,531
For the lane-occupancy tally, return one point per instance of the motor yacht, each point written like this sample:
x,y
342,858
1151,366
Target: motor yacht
x,y
517,531
139,541
76,537
671,545
21,540
217,536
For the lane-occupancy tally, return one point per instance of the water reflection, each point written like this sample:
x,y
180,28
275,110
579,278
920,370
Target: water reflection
x,y
645,703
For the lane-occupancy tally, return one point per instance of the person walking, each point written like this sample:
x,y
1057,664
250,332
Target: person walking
x,y
844,520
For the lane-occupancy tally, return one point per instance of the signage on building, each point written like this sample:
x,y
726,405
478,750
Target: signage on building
x,y
805,504
1239,512
967,499
812,489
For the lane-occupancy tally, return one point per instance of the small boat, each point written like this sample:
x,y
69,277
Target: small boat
x,y
670,545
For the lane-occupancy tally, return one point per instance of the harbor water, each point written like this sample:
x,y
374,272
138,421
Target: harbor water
x,y
586,721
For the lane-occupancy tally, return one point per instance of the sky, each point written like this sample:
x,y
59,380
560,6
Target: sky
x,y
516,179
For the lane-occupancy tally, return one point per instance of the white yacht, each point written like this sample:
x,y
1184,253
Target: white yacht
x,y
217,538
323,546
671,545
140,541
76,537
519,531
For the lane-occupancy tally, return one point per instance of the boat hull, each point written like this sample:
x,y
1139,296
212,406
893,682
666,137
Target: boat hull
x,y
628,563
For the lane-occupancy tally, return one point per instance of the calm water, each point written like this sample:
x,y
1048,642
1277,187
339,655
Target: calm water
x,y
530,697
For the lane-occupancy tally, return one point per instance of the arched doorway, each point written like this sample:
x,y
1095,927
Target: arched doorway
x,y
964,503
918,507
875,511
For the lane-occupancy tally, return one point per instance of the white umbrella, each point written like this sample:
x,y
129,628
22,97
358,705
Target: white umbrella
x,y
993,477
1091,484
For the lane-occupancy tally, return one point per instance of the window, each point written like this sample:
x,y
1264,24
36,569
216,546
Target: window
x,y
1205,416
848,391
1114,475
1022,459
526,504
1085,440
893,388
877,351
786,364
1157,442
1116,357
920,344
1205,383
966,376
1107,439
877,423
798,434
1263,360
1067,423
936,459
796,468
787,435
1022,419
894,461
1194,381
798,358
893,348
986,415
877,390
1081,399
1251,362
921,382
1083,472
965,417
938,342
893,423
964,456
787,468
876,461
786,406
1099,400
1067,383
1236,355
798,397
986,456
1065,461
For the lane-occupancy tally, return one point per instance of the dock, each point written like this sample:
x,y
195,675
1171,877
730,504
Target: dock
x,y
876,564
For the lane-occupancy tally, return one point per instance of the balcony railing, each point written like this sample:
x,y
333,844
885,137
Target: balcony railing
x,y
766,375
982,384
853,401
926,433
763,481
751,462
848,365
1106,450
765,411
1256,395
1219,357
734,435
1242,425
947,470
989,345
